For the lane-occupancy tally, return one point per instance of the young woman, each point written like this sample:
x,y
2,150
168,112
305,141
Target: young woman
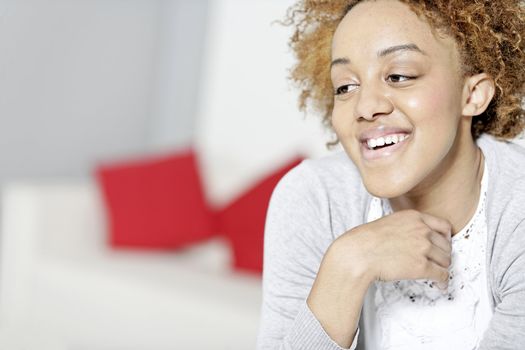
x,y
414,236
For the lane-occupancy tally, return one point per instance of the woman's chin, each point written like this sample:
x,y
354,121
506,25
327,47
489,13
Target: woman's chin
x,y
385,189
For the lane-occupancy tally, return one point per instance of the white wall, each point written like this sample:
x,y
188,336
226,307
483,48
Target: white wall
x,y
248,122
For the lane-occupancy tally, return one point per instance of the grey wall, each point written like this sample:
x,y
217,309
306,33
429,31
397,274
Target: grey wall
x,y
83,81
183,26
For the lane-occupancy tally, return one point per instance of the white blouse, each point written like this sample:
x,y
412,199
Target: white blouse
x,y
415,314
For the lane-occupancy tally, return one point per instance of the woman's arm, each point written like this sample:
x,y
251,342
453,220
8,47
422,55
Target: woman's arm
x,y
297,235
337,296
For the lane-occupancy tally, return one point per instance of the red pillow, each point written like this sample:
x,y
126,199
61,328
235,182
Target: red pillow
x,y
156,202
242,221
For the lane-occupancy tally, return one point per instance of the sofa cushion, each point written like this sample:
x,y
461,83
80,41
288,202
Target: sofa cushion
x,y
242,221
155,202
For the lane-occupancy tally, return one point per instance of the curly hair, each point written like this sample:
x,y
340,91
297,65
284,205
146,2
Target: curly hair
x,y
489,37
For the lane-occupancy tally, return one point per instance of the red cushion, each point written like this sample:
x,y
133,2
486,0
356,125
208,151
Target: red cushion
x,y
242,221
155,202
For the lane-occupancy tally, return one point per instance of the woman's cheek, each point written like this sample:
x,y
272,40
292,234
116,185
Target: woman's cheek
x,y
431,101
341,115
342,123
423,103
429,111
414,103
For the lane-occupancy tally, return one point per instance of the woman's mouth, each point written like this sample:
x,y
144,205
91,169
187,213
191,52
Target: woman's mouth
x,y
383,147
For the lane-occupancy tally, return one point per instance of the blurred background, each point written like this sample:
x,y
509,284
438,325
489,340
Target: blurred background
x,y
103,103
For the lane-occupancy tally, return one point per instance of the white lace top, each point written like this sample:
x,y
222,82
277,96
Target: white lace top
x,y
415,314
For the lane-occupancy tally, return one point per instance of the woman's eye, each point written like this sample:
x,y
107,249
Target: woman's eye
x,y
343,89
398,78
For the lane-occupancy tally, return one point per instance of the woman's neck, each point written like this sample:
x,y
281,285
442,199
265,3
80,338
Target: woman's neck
x,y
452,191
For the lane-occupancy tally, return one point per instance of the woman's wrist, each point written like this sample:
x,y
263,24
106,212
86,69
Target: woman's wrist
x,y
348,252
338,293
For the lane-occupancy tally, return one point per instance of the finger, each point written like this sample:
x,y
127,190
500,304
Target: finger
x,y
437,273
438,256
439,241
438,224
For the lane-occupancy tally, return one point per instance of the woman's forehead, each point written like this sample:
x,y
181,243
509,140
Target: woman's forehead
x,y
374,26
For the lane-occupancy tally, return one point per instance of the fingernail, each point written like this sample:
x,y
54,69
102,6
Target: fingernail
x,y
443,286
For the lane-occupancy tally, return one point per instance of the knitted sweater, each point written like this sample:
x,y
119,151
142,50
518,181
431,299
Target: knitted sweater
x,y
321,199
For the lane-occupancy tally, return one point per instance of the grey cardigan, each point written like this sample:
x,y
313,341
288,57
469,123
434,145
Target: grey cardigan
x,y
320,199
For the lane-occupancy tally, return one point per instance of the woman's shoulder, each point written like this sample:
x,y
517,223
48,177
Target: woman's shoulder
x,y
506,195
330,172
506,166
329,186
331,177
507,156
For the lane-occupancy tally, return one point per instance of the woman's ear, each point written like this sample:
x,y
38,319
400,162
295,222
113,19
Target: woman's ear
x,y
478,91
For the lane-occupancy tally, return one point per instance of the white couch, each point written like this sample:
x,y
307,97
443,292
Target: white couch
x,y
62,287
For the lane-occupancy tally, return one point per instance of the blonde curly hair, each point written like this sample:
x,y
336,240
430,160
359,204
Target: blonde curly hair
x,y
488,33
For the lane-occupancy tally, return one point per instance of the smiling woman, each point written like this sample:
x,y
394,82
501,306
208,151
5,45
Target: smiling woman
x,y
423,96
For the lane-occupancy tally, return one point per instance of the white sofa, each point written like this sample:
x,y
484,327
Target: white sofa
x,y
62,287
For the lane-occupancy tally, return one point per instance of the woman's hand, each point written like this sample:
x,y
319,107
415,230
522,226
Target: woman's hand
x,y
405,245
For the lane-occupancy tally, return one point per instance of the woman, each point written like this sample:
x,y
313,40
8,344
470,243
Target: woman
x,y
414,236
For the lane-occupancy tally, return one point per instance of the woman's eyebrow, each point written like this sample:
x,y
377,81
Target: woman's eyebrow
x,y
404,47
340,61
385,52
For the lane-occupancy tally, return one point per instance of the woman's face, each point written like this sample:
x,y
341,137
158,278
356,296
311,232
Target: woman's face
x,y
393,76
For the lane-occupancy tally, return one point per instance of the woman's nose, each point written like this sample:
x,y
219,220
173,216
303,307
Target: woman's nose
x,y
371,102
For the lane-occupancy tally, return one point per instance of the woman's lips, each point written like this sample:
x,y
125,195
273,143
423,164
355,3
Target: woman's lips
x,y
385,152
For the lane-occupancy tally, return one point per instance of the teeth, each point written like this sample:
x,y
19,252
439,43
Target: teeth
x,y
390,139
